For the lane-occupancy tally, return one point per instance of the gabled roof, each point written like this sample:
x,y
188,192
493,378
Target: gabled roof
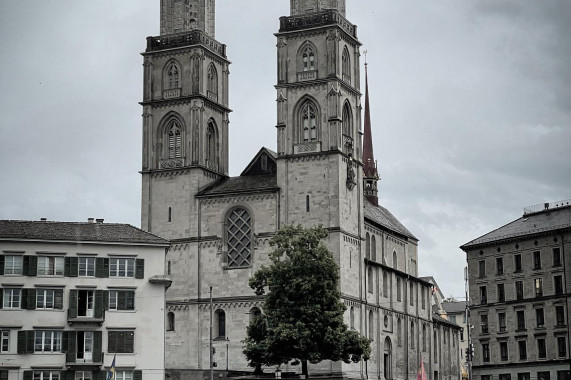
x,y
383,217
540,222
455,307
76,232
256,167
242,184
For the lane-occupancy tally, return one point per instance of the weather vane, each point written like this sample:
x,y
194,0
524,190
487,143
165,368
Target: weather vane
x,y
365,54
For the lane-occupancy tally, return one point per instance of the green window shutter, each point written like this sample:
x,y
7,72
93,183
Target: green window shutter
x,y
97,346
105,300
2,259
99,307
99,375
72,310
121,304
73,267
58,299
112,341
29,298
101,267
30,265
28,375
67,375
1,298
138,375
67,266
4,374
139,268
22,342
69,338
30,340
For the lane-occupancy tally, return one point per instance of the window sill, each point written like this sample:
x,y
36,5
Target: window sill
x,y
232,268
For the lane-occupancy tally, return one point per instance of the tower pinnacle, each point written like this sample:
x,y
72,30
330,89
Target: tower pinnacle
x,y
185,15
370,175
299,7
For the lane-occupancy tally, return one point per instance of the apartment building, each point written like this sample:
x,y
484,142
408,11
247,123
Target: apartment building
x,y
74,296
519,296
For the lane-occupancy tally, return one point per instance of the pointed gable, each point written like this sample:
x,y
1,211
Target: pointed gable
x,y
263,163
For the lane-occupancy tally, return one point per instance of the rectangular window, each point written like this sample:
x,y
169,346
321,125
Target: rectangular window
x,y
522,350
121,342
46,375
537,260
561,346
398,289
560,315
501,293
523,376
13,264
540,318
541,350
556,257
411,294
47,341
484,323
499,265
86,266
563,375
423,292
517,262
462,335
50,265
45,298
519,290
538,287
12,298
558,285
485,352
121,300
121,267
5,341
452,318
124,375
545,375
520,320
83,375
504,351
505,376
502,321
482,269
483,295
485,377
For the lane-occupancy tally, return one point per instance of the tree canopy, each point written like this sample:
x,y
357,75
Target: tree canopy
x,y
303,309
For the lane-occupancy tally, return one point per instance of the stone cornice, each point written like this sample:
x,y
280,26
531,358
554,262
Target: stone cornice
x,y
184,100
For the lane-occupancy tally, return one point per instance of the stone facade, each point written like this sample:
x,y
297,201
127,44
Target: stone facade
x,y
220,226
519,276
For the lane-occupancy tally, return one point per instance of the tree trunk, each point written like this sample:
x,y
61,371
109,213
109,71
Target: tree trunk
x,y
304,368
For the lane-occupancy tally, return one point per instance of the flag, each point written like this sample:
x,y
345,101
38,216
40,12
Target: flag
x,y
421,374
111,372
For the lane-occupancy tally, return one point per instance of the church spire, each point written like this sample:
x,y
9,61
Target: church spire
x,y
370,175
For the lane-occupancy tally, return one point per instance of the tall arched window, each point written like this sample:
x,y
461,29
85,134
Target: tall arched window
x,y
371,325
387,358
412,335
170,321
174,137
255,313
173,76
212,81
352,317
347,124
370,283
399,332
346,65
308,59
309,122
385,284
212,145
220,325
367,246
373,248
239,237
395,261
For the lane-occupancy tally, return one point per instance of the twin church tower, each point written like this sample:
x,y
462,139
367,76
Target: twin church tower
x,y
220,226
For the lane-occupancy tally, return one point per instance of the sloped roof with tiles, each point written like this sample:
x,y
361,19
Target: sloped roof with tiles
x,y
384,218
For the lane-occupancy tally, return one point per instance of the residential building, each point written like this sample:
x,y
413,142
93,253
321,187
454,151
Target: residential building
x,y
519,296
76,295
322,173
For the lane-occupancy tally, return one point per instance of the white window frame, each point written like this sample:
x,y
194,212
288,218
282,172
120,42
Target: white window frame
x,y
46,375
4,341
12,298
114,299
86,266
13,264
50,266
123,375
122,267
45,299
83,375
50,338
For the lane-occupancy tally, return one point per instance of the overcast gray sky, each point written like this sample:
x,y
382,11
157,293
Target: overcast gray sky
x,y
471,109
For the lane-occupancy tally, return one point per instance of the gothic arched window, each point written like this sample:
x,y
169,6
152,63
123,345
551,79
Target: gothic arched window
x,y
308,59
239,237
371,325
399,332
373,248
220,326
309,122
174,137
412,335
367,246
385,284
347,125
173,76
212,146
346,65
370,282
170,321
395,262
212,82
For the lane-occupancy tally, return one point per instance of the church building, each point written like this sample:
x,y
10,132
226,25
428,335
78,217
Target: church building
x,y
322,172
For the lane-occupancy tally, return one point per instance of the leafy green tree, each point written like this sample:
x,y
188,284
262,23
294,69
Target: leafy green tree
x,y
303,309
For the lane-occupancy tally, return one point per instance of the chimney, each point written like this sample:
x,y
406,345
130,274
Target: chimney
x,y
90,220
99,220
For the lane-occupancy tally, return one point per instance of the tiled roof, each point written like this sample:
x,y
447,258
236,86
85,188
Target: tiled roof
x,y
73,231
545,221
242,184
454,307
382,216
439,319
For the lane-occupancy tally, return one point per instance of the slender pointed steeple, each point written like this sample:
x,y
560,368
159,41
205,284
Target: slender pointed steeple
x,y
370,175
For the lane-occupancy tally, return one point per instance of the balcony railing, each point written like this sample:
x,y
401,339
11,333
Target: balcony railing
x,y
545,206
179,40
317,19
172,93
303,76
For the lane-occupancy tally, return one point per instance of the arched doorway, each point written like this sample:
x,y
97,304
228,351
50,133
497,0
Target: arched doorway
x,y
387,359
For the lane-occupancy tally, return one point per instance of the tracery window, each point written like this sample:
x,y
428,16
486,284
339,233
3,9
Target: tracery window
x,y
308,59
309,122
211,150
346,65
173,76
174,131
239,235
212,80
170,321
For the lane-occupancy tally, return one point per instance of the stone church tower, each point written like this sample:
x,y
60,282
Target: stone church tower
x,y
220,226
